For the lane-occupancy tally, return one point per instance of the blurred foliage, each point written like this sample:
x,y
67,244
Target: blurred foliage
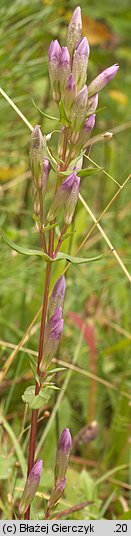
x,y
98,292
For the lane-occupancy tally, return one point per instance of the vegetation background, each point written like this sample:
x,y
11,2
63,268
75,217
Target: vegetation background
x,y
97,298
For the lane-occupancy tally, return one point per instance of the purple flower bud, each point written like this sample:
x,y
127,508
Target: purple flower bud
x,y
79,109
56,494
65,56
61,196
65,67
92,104
31,486
80,62
54,54
54,50
52,338
89,124
57,296
83,48
55,318
71,202
67,184
46,170
84,135
37,150
102,79
74,30
69,93
70,83
63,454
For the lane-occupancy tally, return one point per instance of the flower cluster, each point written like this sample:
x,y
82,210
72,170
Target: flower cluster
x,y
68,72
54,326
68,67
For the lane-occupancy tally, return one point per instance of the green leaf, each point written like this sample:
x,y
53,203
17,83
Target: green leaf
x,y
49,227
60,256
53,161
78,260
35,401
55,370
67,235
88,171
43,113
38,401
51,386
63,118
83,172
66,173
29,394
23,250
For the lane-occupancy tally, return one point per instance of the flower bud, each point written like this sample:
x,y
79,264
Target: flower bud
x,y
56,494
57,296
69,93
37,150
74,30
80,62
65,67
63,454
92,104
54,54
71,202
84,135
102,79
61,196
52,338
86,130
79,110
46,170
31,486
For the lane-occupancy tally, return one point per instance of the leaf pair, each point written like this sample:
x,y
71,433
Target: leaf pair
x,y
60,256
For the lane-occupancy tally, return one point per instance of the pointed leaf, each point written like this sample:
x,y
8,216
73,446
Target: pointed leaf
x,y
63,118
23,250
82,172
60,256
88,171
55,370
43,113
79,260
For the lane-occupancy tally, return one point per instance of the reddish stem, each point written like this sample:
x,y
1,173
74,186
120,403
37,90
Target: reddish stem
x,y
34,417
60,240
41,223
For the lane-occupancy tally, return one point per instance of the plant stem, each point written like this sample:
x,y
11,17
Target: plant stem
x,y
41,223
60,240
34,417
